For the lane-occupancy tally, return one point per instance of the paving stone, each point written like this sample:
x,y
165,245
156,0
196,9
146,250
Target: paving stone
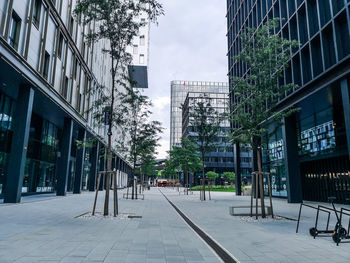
x,y
47,231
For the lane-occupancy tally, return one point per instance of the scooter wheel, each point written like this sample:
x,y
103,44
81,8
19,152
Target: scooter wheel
x,y
336,238
343,232
313,231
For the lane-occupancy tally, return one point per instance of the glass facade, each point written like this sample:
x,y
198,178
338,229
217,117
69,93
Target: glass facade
x,y
86,169
39,174
273,160
179,91
322,150
321,59
221,157
7,106
321,126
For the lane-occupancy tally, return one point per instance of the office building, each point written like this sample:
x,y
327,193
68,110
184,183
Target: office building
x,y
221,158
140,53
308,156
180,90
46,69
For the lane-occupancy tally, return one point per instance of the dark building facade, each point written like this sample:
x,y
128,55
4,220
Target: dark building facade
x,y
221,159
45,71
308,157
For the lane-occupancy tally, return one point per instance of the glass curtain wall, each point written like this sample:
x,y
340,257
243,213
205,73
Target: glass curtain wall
x,y
39,174
86,169
7,106
273,160
324,161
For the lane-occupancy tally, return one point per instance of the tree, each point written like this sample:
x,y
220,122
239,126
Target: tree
x,y
185,158
115,22
144,134
147,165
256,95
205,121
212,177
230,177
169,169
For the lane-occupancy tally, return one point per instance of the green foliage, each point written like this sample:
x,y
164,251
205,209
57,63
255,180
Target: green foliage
x,y
257,93
169,170
215,188
205,121
116,23
185,158
212,175
88,143
144,134
148,165
229,176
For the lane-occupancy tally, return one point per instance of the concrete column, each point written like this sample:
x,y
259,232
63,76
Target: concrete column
x,y
237,164
79,163
17,159
94,167
291,160
346,106
62,170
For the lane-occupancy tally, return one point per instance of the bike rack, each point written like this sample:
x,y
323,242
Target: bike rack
x,y
312,207
337,235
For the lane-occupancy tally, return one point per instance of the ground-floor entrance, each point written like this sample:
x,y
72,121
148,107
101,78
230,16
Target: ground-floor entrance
x,y
325,178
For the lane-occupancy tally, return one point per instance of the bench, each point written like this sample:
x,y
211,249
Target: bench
x,y
237,210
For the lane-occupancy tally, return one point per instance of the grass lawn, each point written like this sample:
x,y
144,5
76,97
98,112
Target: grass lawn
x,y
215,188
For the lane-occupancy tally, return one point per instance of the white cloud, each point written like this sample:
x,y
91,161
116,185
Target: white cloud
x,y
163,148
159,103
189,44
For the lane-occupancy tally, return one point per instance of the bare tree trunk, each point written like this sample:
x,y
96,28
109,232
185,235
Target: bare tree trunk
x,y
109,149
256,195
187,183
209,190
133,188
203,176
261,183
115,195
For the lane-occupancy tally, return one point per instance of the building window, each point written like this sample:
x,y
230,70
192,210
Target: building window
x,y
14,31
142,40
65,87
46,65
142,58
36,13
71,25
135,49
60,46
76,69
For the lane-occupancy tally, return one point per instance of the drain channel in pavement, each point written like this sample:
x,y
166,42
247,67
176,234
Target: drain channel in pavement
x,y
219,250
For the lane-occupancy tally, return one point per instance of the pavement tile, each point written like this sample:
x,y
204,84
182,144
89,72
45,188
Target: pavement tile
x,y
47,231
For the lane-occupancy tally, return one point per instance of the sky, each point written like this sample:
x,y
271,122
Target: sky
x,y
189,44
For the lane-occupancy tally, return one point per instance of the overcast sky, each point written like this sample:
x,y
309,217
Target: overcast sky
x,y
188,44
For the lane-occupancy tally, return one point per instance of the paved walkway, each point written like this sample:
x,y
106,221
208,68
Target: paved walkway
x,y
261,241
46,229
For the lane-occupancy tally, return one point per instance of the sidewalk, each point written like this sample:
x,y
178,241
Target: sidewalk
x,y
47,231
263,241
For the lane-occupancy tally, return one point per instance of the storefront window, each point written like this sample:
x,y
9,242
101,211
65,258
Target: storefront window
x,y
39,174
71,176
86,169
321,124
273,160
7,106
